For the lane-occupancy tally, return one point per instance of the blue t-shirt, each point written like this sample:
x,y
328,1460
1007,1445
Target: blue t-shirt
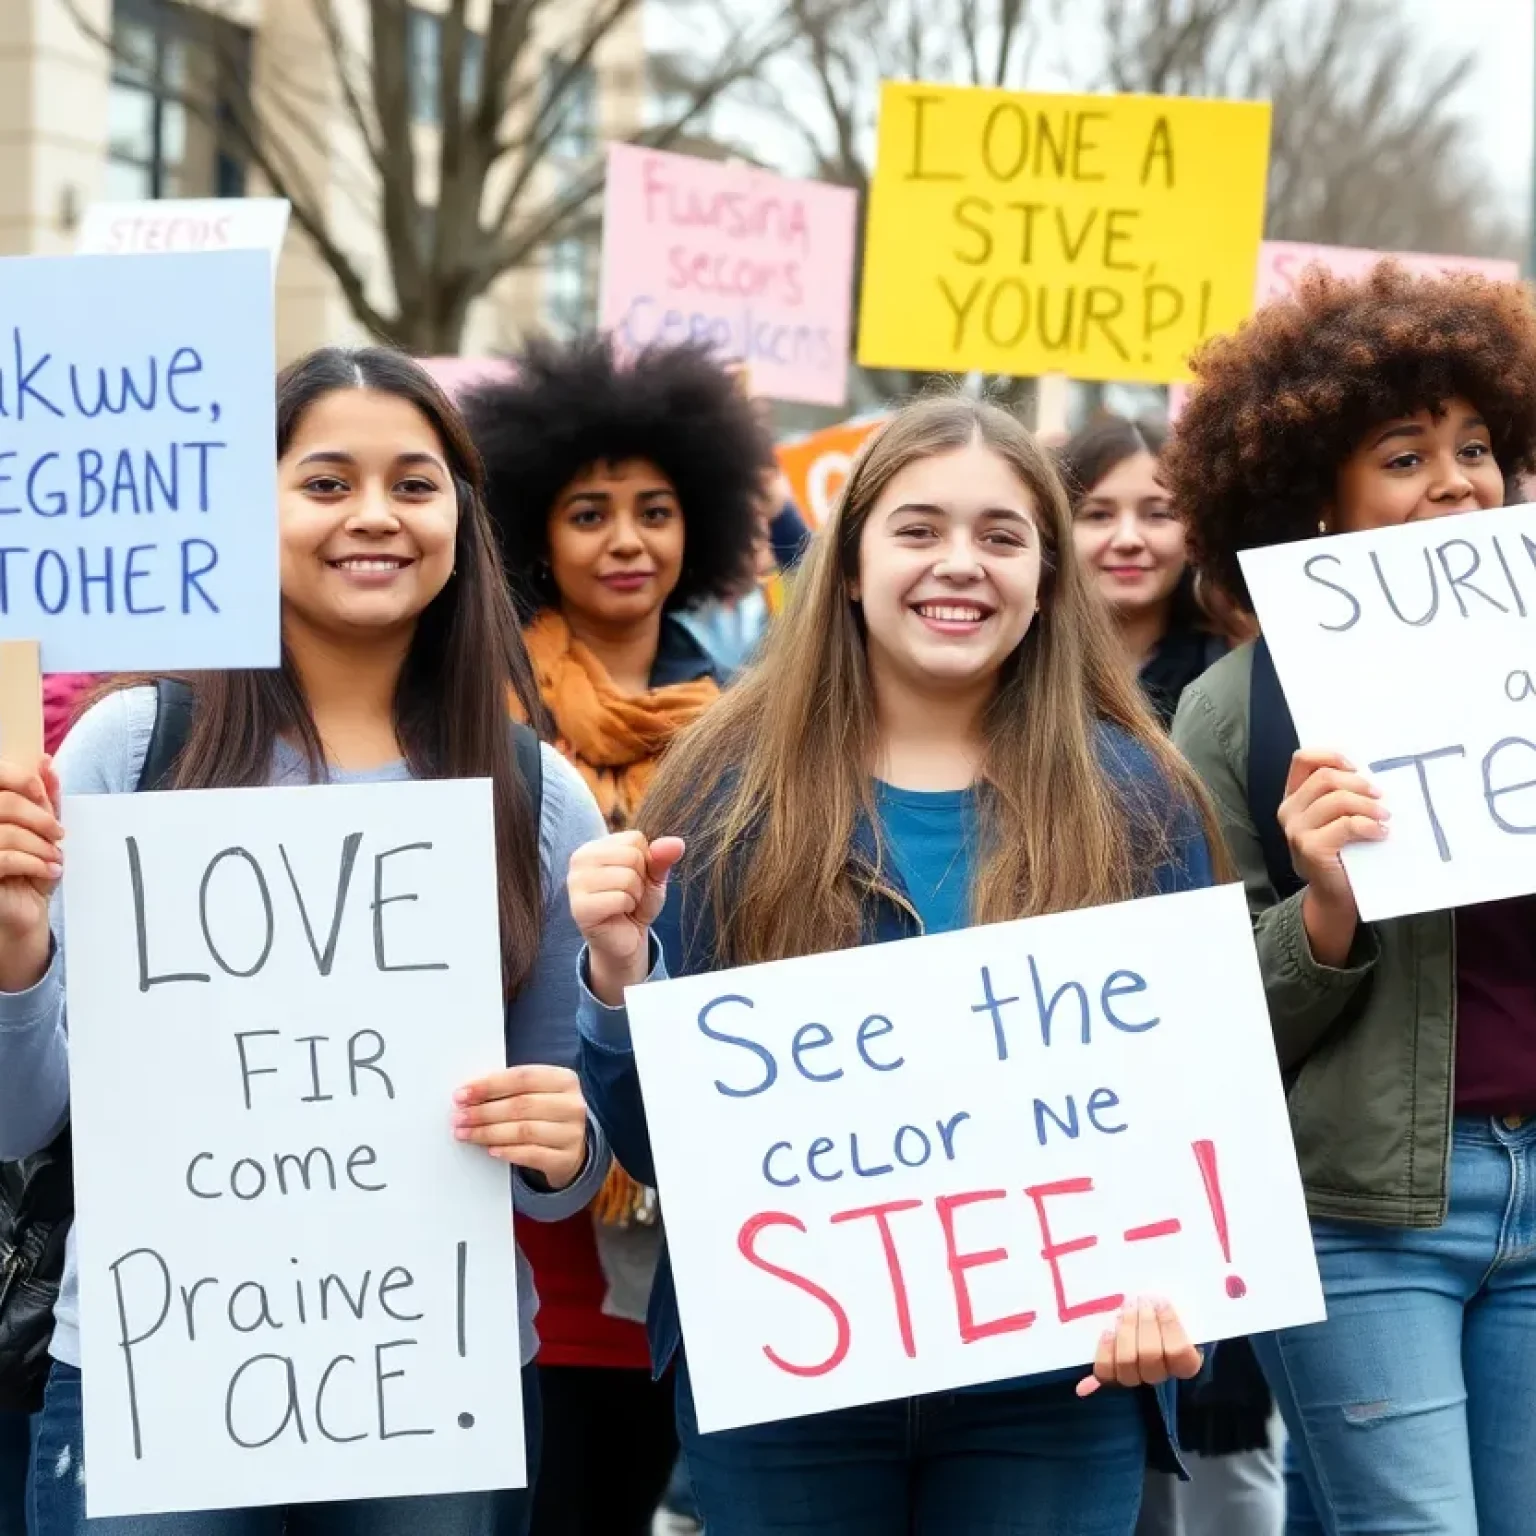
x,y
930,838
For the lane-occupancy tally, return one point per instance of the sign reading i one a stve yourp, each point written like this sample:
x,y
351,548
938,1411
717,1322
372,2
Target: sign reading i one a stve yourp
x,y
184,224
1411,651
295,1285
921,1165
1102,237
758,266
138,490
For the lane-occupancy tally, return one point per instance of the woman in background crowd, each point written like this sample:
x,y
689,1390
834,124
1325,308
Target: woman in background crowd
x,y
1134,548
1408,1046
1133,545
880,773
624,494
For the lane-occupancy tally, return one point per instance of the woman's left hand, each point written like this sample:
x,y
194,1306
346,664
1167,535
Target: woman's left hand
x,y
1147,1347
532,1116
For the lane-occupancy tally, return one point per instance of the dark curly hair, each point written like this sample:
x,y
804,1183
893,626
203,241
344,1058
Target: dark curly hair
x,y
568,408
1278,407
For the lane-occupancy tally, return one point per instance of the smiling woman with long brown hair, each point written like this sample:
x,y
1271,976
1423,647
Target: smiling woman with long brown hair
x,y
941,732
400,649
624,494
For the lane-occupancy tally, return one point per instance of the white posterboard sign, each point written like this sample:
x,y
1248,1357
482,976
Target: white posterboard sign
x,y
138,482
295,1285
1411,652
920,1165
184,224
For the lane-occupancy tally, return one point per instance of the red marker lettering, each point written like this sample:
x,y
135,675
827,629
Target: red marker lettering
x,y
882,1217
1053,1252
746,1240
959,1263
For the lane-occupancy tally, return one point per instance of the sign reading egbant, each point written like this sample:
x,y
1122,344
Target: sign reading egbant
x,y
138,488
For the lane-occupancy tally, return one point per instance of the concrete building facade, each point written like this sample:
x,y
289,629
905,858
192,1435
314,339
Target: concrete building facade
x,y
82,120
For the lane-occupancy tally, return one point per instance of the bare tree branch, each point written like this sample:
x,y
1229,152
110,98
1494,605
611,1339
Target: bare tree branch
x,y
501,101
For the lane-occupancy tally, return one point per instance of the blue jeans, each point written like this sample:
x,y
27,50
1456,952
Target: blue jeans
x,y
15,1452
1033,1462
58,1492
1412,1410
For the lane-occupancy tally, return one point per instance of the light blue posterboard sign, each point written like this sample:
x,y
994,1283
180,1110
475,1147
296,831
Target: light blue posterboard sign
x,y
138,483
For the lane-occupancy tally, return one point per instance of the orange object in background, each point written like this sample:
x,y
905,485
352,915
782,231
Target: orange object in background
x,y
817,466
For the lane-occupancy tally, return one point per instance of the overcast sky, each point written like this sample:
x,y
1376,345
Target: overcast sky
x,y
1502,35
1498,99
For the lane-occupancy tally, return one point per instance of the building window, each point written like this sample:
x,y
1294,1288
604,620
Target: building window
x,y
570,95
163,58
569,293
424,66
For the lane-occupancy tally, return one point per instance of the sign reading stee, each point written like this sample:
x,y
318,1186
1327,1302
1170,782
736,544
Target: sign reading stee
x,y
1411,652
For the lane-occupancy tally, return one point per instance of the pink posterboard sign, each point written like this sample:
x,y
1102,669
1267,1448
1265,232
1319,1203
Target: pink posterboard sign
x,y
1282,263
458,374
758,266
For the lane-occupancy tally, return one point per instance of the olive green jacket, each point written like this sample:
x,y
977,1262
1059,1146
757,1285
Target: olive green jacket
x,y
1367,1051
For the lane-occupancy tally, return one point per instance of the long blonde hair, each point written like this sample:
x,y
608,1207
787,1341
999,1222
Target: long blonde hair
x,y
769,785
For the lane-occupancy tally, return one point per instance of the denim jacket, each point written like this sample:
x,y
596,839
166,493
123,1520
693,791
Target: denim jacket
x,y
682,944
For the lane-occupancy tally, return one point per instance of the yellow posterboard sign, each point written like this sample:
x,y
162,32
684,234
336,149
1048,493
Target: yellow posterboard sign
x,y
1097,236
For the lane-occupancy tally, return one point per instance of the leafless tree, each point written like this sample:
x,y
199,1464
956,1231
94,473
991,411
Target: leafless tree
x,y
825,89
1368,146
457,208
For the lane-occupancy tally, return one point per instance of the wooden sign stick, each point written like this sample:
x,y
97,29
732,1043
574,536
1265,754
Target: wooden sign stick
x,y
21,702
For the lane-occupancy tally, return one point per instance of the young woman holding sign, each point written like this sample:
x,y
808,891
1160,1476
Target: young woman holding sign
x,y
1409,1046
400,649
939,733
624,495
1136,551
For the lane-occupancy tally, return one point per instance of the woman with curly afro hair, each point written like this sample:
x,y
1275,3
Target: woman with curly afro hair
x,y
1408,1046
624,494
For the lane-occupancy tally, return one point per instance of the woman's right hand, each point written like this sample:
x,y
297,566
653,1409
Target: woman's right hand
x,y
31,861
1327,806
618,886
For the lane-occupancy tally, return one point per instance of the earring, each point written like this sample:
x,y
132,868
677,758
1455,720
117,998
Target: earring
x,y
1322,525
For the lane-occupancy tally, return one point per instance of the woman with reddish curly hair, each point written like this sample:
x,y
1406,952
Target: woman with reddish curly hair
x,y
1408,1046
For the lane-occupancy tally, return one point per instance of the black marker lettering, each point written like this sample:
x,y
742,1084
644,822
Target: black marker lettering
x,y
380,901
1417,760
141,926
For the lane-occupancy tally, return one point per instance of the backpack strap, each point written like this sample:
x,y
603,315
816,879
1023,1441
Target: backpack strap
x,y
1272,741
530,767
173,724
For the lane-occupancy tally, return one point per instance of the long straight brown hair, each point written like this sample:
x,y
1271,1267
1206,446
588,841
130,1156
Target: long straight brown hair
x,y
770,783
466,660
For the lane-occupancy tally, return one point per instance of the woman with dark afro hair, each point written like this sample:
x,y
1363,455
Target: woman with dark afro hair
x,y
1408,1046
624,494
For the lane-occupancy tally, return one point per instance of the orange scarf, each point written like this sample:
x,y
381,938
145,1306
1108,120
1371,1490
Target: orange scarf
x,y
613,739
